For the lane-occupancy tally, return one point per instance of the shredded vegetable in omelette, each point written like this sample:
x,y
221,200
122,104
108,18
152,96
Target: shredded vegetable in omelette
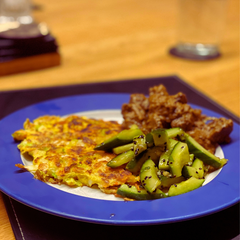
x,y
63,152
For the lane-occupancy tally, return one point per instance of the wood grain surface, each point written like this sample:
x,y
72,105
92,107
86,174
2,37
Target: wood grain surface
x,y
126,39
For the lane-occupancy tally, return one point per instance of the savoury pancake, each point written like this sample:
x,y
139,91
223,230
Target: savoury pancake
x,y
62,151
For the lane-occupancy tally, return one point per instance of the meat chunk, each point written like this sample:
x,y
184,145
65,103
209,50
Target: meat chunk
x,y
210,134
219,130
135,111
161,110
160,90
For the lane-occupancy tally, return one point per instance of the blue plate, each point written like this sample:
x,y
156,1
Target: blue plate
x,y
217,195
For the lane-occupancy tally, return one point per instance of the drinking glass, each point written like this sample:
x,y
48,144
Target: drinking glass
x,y
15,11
199,29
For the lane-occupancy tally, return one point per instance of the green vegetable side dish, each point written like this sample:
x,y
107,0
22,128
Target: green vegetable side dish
x,y
168,162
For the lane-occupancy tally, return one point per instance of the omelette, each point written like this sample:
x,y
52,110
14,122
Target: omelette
x,y
62,152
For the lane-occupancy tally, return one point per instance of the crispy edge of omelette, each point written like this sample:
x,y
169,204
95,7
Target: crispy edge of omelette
x,y
62,151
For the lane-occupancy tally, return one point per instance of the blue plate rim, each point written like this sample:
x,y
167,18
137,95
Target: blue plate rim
x,y
33,193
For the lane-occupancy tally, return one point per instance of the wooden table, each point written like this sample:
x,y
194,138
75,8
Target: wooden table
x,y
122,39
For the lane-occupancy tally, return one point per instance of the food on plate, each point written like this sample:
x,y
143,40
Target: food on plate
x,y
62,152
163,148
161,110
168,162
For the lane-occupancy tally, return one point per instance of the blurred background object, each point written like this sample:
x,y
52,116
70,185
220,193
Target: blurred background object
x,y
25,45
123,39
199,29
16,11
